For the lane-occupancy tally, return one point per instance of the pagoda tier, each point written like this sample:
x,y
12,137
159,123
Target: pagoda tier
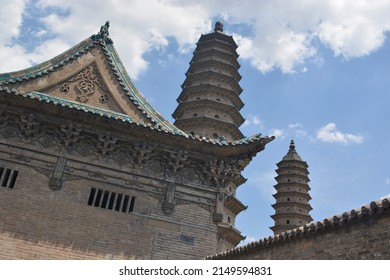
x,y
292,199
209,104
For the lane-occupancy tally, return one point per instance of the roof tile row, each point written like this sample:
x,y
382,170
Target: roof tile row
x,y
374,208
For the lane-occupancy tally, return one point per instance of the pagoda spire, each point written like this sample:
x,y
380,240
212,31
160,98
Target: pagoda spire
x,y
292,198
209,104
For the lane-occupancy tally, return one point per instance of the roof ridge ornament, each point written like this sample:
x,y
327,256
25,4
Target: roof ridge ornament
x,y
104,30
103,34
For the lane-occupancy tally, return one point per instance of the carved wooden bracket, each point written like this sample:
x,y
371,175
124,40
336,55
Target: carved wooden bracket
x,y
176,162
221,173
28,126
219,206
106,143
169,202
69,134
55,181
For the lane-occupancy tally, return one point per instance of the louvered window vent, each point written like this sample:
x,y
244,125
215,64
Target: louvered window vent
x,y
111,200
8,177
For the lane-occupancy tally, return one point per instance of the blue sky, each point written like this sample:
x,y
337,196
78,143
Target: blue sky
x,y
317,72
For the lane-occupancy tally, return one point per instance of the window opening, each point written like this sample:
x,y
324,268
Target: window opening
x,y
132,204
6,176
91,196
98,197
118,202
111,200
105,199
125,204
13,179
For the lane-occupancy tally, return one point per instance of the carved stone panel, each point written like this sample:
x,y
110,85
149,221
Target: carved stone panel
x,y
85,84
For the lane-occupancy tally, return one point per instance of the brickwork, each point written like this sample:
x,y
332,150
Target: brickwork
x,y
37,222
357,235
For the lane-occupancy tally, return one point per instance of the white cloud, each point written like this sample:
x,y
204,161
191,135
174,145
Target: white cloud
x,y
136,27
50,49
281,32
277,132
329,133
40,32
295,125
11,18
252,120
387,181
284,31
297,131
12,57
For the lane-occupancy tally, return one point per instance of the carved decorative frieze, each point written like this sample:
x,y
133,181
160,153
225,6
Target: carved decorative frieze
x,y
220,173
193,173
47,140
106,143
29,127
84,85
145,158
69,134
6,129
85,149
141,153
176,162
156,167
122,157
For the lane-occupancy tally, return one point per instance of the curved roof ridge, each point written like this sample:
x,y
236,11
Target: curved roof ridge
x,y
252,138
48,66
135,96
374,207
117,67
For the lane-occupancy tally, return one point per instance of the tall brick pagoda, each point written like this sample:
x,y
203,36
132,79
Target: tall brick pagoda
x,y
209,104
292,199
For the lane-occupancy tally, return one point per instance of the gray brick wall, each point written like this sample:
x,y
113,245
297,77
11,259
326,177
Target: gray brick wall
x,y
365,238
39,223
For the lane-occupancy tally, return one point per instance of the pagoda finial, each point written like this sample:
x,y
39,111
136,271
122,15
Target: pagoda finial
x,y
292,145
218,26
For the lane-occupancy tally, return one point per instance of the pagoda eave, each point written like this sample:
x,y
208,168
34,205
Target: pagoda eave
x,y
229,233
234,205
